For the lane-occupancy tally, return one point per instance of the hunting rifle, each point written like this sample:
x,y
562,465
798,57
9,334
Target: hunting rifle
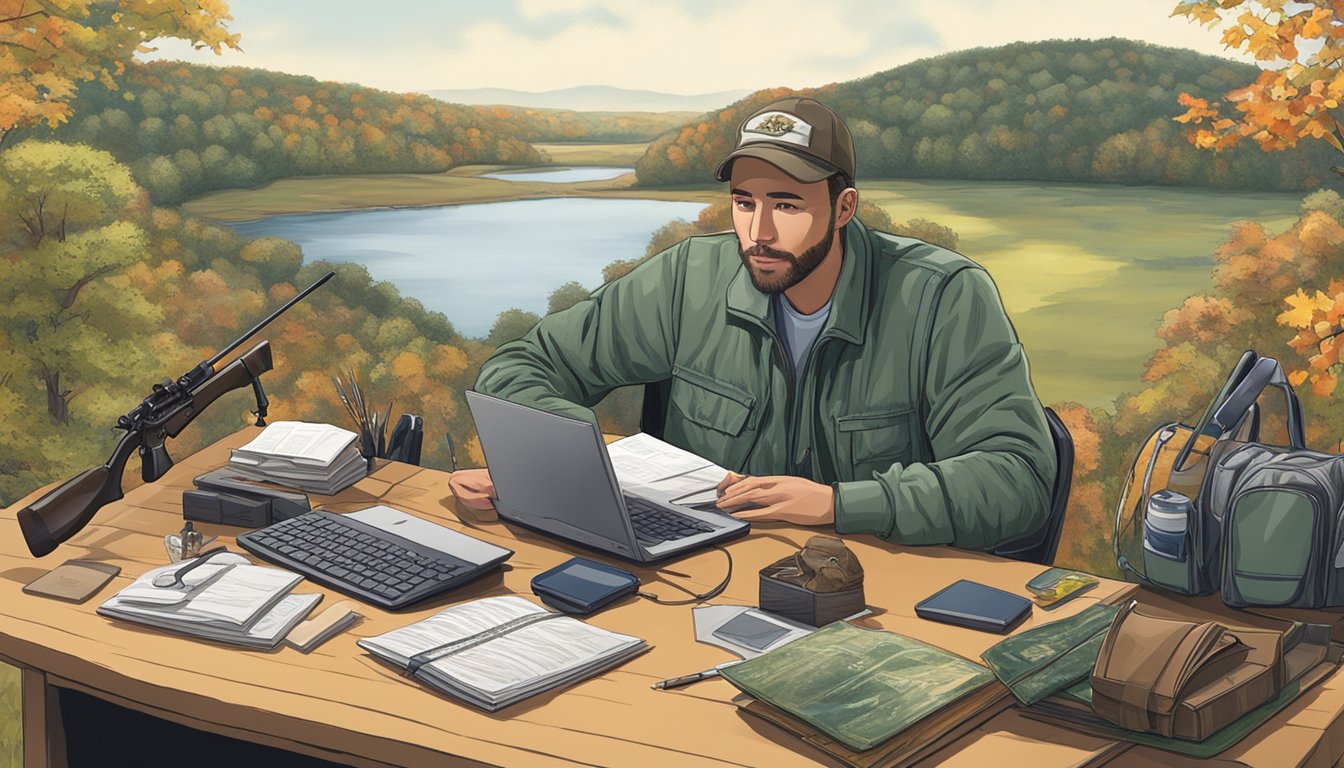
x,y
171,406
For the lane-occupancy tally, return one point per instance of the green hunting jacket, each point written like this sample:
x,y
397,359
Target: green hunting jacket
x,y
916,403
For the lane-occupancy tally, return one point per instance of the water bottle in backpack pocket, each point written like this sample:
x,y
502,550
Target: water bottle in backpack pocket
x,y
1167,549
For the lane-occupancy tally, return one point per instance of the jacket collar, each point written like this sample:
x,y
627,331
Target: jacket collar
x,y
850,301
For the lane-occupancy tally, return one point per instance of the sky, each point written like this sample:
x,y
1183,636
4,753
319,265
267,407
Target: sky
x,y
673,46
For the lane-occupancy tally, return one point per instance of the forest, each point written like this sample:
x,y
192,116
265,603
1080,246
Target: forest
x,y
185,130
1059,110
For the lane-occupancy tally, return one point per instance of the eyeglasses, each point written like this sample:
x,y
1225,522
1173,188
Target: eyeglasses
x,y
172,579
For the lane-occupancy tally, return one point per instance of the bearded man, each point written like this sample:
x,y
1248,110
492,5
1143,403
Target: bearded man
x,y
848,377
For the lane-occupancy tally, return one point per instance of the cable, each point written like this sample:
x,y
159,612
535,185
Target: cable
x,y
694,597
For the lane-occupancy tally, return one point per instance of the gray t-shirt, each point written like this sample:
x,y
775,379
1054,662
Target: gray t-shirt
x,y
798,331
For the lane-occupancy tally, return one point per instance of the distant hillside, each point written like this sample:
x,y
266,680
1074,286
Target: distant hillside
x,y
590,98
185,129
1060,110
560,125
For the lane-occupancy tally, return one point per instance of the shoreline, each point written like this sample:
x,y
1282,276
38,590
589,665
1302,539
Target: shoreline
x,y
348,194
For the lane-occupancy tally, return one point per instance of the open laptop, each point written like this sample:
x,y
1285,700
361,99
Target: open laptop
x,y
552,473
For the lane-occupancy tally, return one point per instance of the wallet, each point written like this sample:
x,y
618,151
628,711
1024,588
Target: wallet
x,y
73,581
968,604
581,586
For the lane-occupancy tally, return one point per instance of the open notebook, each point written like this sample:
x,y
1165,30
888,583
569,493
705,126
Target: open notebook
x,y
495,651
226,599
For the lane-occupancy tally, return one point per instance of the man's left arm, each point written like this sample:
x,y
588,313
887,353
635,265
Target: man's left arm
x,y
994,459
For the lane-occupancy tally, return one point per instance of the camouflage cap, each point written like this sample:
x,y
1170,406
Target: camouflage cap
x,y
799,136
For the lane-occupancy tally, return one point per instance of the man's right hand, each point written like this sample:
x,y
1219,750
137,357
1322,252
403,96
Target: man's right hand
x,y
473,488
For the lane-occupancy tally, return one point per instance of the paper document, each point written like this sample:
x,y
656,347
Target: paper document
x,y
663,471
497,650
300,442
226,599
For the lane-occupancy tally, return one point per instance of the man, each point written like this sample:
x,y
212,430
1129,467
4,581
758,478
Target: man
x,y
849,377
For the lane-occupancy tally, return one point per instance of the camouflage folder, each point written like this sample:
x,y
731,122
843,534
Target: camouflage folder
x,y
1040,661
862,686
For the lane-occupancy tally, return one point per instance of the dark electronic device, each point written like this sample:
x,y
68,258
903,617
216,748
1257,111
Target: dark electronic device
x,y
228,498
406,440
226,508
171,405
357,554
581,586
968,604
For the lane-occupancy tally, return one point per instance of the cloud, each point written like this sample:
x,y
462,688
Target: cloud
x,y
688,46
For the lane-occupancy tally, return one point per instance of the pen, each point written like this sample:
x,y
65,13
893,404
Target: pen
x,y
677,682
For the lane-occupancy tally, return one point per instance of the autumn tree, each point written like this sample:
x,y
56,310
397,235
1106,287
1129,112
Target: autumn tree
x,y
48,47
69,320
1301,46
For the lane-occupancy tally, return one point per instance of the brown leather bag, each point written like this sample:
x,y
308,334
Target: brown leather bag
x,y
1183,679
824,564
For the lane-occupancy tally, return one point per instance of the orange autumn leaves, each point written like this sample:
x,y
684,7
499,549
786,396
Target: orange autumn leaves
x,y
1300,44
1317,318
1301,47
47,48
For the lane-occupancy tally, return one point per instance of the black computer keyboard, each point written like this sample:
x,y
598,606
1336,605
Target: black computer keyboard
x,y
654,524
359,559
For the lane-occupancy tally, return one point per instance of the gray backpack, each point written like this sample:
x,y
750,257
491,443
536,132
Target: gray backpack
x,y
1262,524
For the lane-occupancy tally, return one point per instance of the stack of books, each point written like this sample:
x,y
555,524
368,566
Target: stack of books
x,y
226,599
314,458
496,651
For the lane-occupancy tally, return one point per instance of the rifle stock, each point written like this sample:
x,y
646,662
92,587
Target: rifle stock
x,y
65,510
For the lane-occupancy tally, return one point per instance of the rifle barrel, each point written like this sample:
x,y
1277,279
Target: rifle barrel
x,y
220,355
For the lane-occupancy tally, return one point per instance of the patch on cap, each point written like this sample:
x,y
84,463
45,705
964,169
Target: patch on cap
x,y
777,126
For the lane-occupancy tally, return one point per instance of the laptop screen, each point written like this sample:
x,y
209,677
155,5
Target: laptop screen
x,y
550,471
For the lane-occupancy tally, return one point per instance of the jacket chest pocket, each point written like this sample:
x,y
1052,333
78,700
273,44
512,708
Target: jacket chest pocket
x,y
714,414
873,441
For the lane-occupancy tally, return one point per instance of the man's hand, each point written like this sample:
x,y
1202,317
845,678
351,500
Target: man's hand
x,y
778,497
473,488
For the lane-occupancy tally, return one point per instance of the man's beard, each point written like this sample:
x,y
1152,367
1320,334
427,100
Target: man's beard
x,y
799,266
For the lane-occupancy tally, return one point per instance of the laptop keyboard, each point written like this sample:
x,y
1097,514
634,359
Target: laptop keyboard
x,y
358,559
654,524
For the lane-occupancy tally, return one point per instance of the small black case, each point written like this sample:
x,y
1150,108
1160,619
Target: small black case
x,y
969,604
582,586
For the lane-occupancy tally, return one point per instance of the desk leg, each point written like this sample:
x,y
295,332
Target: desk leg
x,y
43,728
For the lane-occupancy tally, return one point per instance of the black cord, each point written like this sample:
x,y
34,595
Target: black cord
x,y
715,592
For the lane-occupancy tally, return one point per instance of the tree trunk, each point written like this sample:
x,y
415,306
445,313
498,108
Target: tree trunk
x,y
58,400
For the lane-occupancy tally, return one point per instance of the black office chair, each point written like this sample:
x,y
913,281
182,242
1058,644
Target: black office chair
x,y
1040,546
1036,547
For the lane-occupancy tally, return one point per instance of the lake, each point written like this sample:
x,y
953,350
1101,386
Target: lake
x,y
472,262
561,175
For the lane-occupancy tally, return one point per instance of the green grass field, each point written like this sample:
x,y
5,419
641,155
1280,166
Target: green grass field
x,y
1086,271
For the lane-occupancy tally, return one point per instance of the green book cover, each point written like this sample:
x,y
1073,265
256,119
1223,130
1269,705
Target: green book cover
x,y
1045,659
858,686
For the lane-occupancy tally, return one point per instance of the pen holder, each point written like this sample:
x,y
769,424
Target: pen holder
x,y
819,584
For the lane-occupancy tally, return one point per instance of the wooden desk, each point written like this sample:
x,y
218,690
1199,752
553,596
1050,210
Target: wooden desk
x,y
339,704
